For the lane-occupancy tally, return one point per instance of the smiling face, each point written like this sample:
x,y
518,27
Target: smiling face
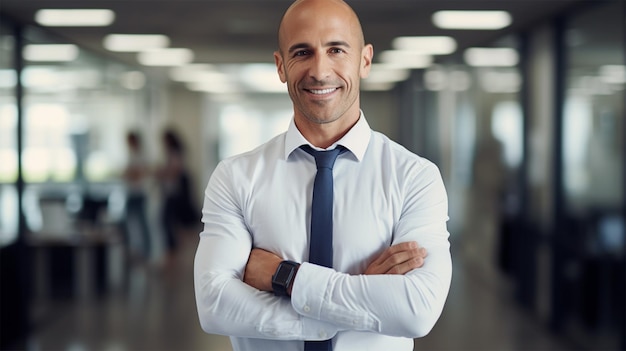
x,y
322,58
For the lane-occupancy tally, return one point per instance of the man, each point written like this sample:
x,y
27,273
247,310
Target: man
x,y
383,289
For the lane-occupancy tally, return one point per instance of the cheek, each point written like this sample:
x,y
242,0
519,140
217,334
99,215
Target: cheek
x,y
350,70
352,76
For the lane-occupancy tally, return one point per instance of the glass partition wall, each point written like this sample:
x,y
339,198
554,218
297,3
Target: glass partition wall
x,y
589,293
65,116
76,111
8,138
533,160
469,121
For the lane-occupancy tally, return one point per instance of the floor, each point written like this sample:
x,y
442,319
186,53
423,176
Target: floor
x,y
154,309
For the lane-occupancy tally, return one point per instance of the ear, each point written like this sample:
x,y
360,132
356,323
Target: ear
x,y
367,54
278,58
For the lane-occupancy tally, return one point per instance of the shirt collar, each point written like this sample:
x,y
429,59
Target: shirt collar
x,y
356,140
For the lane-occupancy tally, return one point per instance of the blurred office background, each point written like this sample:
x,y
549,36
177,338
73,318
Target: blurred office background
x,y
529,139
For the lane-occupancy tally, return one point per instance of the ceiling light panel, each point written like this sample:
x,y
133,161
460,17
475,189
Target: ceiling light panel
x,y
405,59
165,57
433,45
135,42
50,52
382,73
489,20
491,57
75,17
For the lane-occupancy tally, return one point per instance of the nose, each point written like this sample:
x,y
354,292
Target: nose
x,y
320,67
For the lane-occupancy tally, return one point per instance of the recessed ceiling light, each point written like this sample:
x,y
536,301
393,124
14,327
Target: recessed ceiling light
x,y
471,19
50,52
165,57
433,45
75,17
50,78
405,59
383,73
491,57
135,42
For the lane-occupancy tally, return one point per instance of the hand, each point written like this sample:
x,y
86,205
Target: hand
x,y
260,268
398,259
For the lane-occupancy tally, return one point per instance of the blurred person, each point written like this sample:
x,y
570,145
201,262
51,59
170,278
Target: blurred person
x,y
257,278
489,242
178,210
136,176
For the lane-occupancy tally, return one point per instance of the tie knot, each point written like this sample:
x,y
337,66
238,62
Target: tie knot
x,y
323,159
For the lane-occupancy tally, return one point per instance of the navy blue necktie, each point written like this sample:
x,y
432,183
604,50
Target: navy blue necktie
x,y
321,241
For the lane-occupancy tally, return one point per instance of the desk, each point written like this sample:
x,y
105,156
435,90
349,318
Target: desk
x,y
76,265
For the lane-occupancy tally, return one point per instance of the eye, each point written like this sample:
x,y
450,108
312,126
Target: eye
x,y
336,51
301,53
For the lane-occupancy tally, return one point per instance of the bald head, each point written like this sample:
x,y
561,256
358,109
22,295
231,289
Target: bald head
x,y
301,10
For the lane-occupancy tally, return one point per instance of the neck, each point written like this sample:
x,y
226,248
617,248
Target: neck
x,y
323,135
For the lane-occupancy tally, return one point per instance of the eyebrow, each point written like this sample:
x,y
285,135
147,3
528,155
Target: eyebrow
x,y
329,44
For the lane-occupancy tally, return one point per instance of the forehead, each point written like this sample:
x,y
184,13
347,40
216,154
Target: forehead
x,y
314,25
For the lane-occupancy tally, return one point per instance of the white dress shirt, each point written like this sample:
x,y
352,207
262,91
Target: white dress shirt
x,y
383,195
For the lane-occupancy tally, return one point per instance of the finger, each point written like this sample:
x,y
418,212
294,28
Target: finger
x,y
384,264
406,266
409,245
401,257
392,250
396,255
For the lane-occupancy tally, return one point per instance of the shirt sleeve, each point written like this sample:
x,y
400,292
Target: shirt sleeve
x,y
226,305
396,305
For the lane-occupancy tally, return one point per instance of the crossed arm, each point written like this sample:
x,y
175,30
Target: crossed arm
x,y
390,297
397,259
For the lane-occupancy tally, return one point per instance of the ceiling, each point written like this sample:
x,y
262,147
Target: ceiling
x,y
244,31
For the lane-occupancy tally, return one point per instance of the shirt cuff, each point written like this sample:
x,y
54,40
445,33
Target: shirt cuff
x,y
309,289
307,300
311,297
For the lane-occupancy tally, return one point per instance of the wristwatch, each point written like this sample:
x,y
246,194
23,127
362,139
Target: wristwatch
x,y
283,277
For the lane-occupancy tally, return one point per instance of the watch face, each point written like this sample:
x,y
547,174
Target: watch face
x,y
283,273
283,278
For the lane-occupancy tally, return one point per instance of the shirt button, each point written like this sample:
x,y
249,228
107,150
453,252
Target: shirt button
x,y
323,334
307,309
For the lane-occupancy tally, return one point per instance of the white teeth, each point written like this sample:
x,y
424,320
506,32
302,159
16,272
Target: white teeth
x,y
323,91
